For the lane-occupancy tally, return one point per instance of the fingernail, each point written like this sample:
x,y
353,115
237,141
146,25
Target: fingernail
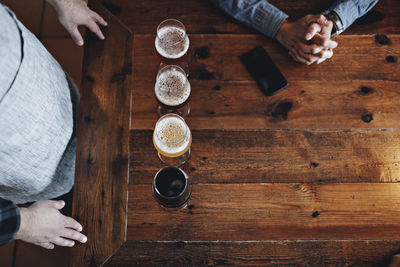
x,y
106,24
80,43
84,239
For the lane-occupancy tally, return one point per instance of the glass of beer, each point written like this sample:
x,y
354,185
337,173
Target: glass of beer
x,y
172,42
172,90
171,188
172,139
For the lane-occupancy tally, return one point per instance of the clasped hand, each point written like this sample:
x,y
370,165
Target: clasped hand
x,y
308,39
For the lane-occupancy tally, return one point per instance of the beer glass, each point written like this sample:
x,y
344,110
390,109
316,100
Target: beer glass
x,y
172,139
172,42
172,90
171,188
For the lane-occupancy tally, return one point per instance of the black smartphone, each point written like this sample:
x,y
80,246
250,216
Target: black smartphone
x,y
264,71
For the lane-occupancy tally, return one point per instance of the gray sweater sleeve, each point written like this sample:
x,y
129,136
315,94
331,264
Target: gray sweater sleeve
x,y
350,10
258,14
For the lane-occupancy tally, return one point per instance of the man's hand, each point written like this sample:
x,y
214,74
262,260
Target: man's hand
x,y
42,224
73,13
308,39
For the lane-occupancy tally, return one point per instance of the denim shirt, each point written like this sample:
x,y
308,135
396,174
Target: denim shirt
x,y
267,19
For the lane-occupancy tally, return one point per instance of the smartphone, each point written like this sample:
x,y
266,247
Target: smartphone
x,y
264,71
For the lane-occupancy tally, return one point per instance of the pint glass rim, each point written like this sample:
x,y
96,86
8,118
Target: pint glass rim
x,y
169,66
174,115
180,24
170,167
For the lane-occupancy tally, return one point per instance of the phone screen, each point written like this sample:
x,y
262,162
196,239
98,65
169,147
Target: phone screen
x,y
264,71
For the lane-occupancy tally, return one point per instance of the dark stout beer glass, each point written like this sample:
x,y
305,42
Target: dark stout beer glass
x,y
172,90
171,188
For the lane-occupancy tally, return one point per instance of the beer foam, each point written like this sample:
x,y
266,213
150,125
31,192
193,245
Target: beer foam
x,y
172,87
172,42
170,136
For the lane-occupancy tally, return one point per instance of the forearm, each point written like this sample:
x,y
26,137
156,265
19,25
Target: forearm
x,y
350,10
258,14
9,221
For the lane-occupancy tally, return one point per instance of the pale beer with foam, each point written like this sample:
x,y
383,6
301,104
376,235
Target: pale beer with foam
x,y
172,139
172,42
172,91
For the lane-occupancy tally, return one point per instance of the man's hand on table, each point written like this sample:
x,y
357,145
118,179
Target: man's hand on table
x,y
43,224
308,39
73,13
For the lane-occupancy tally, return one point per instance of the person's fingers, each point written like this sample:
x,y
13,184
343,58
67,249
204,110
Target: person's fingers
x,y
327,29
98,19
309,58
76,35
71,223
297,58
46,245
310,48
59,241
95,29
321,19
324,55
312,30
74,235
324,42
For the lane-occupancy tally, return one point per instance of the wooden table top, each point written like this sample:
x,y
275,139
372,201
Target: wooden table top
x,y
308,177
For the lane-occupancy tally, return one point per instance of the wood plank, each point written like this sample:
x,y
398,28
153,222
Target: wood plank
x,y
269,212
263,253
7,254
356,58
314,104
100,191
35,256
202,16
278,156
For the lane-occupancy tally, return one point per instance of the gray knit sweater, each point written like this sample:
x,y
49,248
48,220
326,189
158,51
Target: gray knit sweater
x,y
37,143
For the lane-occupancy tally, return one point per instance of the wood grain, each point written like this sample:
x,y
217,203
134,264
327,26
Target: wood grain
x,y
358,57
203,17
278,156
269,212
261,253
100,191
304,104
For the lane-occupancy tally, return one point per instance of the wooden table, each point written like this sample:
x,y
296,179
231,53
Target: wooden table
x,y
308,177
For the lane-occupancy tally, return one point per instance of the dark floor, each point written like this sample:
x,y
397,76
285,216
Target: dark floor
x,y
40,18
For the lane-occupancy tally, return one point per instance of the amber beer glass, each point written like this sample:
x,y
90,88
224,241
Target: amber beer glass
x,y
172,90
172,42
172,139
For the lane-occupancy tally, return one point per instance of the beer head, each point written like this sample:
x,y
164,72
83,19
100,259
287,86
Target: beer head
x,y
172,41
172,88
172,136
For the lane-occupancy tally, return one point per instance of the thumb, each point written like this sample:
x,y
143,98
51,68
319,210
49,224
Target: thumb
x,y
312,30
59,204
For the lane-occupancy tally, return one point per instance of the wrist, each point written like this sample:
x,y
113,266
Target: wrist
x,y
338,27
24,214
282,31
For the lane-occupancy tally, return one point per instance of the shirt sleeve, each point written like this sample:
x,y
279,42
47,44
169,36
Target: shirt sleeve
x,y
258,14
350,10
9,220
